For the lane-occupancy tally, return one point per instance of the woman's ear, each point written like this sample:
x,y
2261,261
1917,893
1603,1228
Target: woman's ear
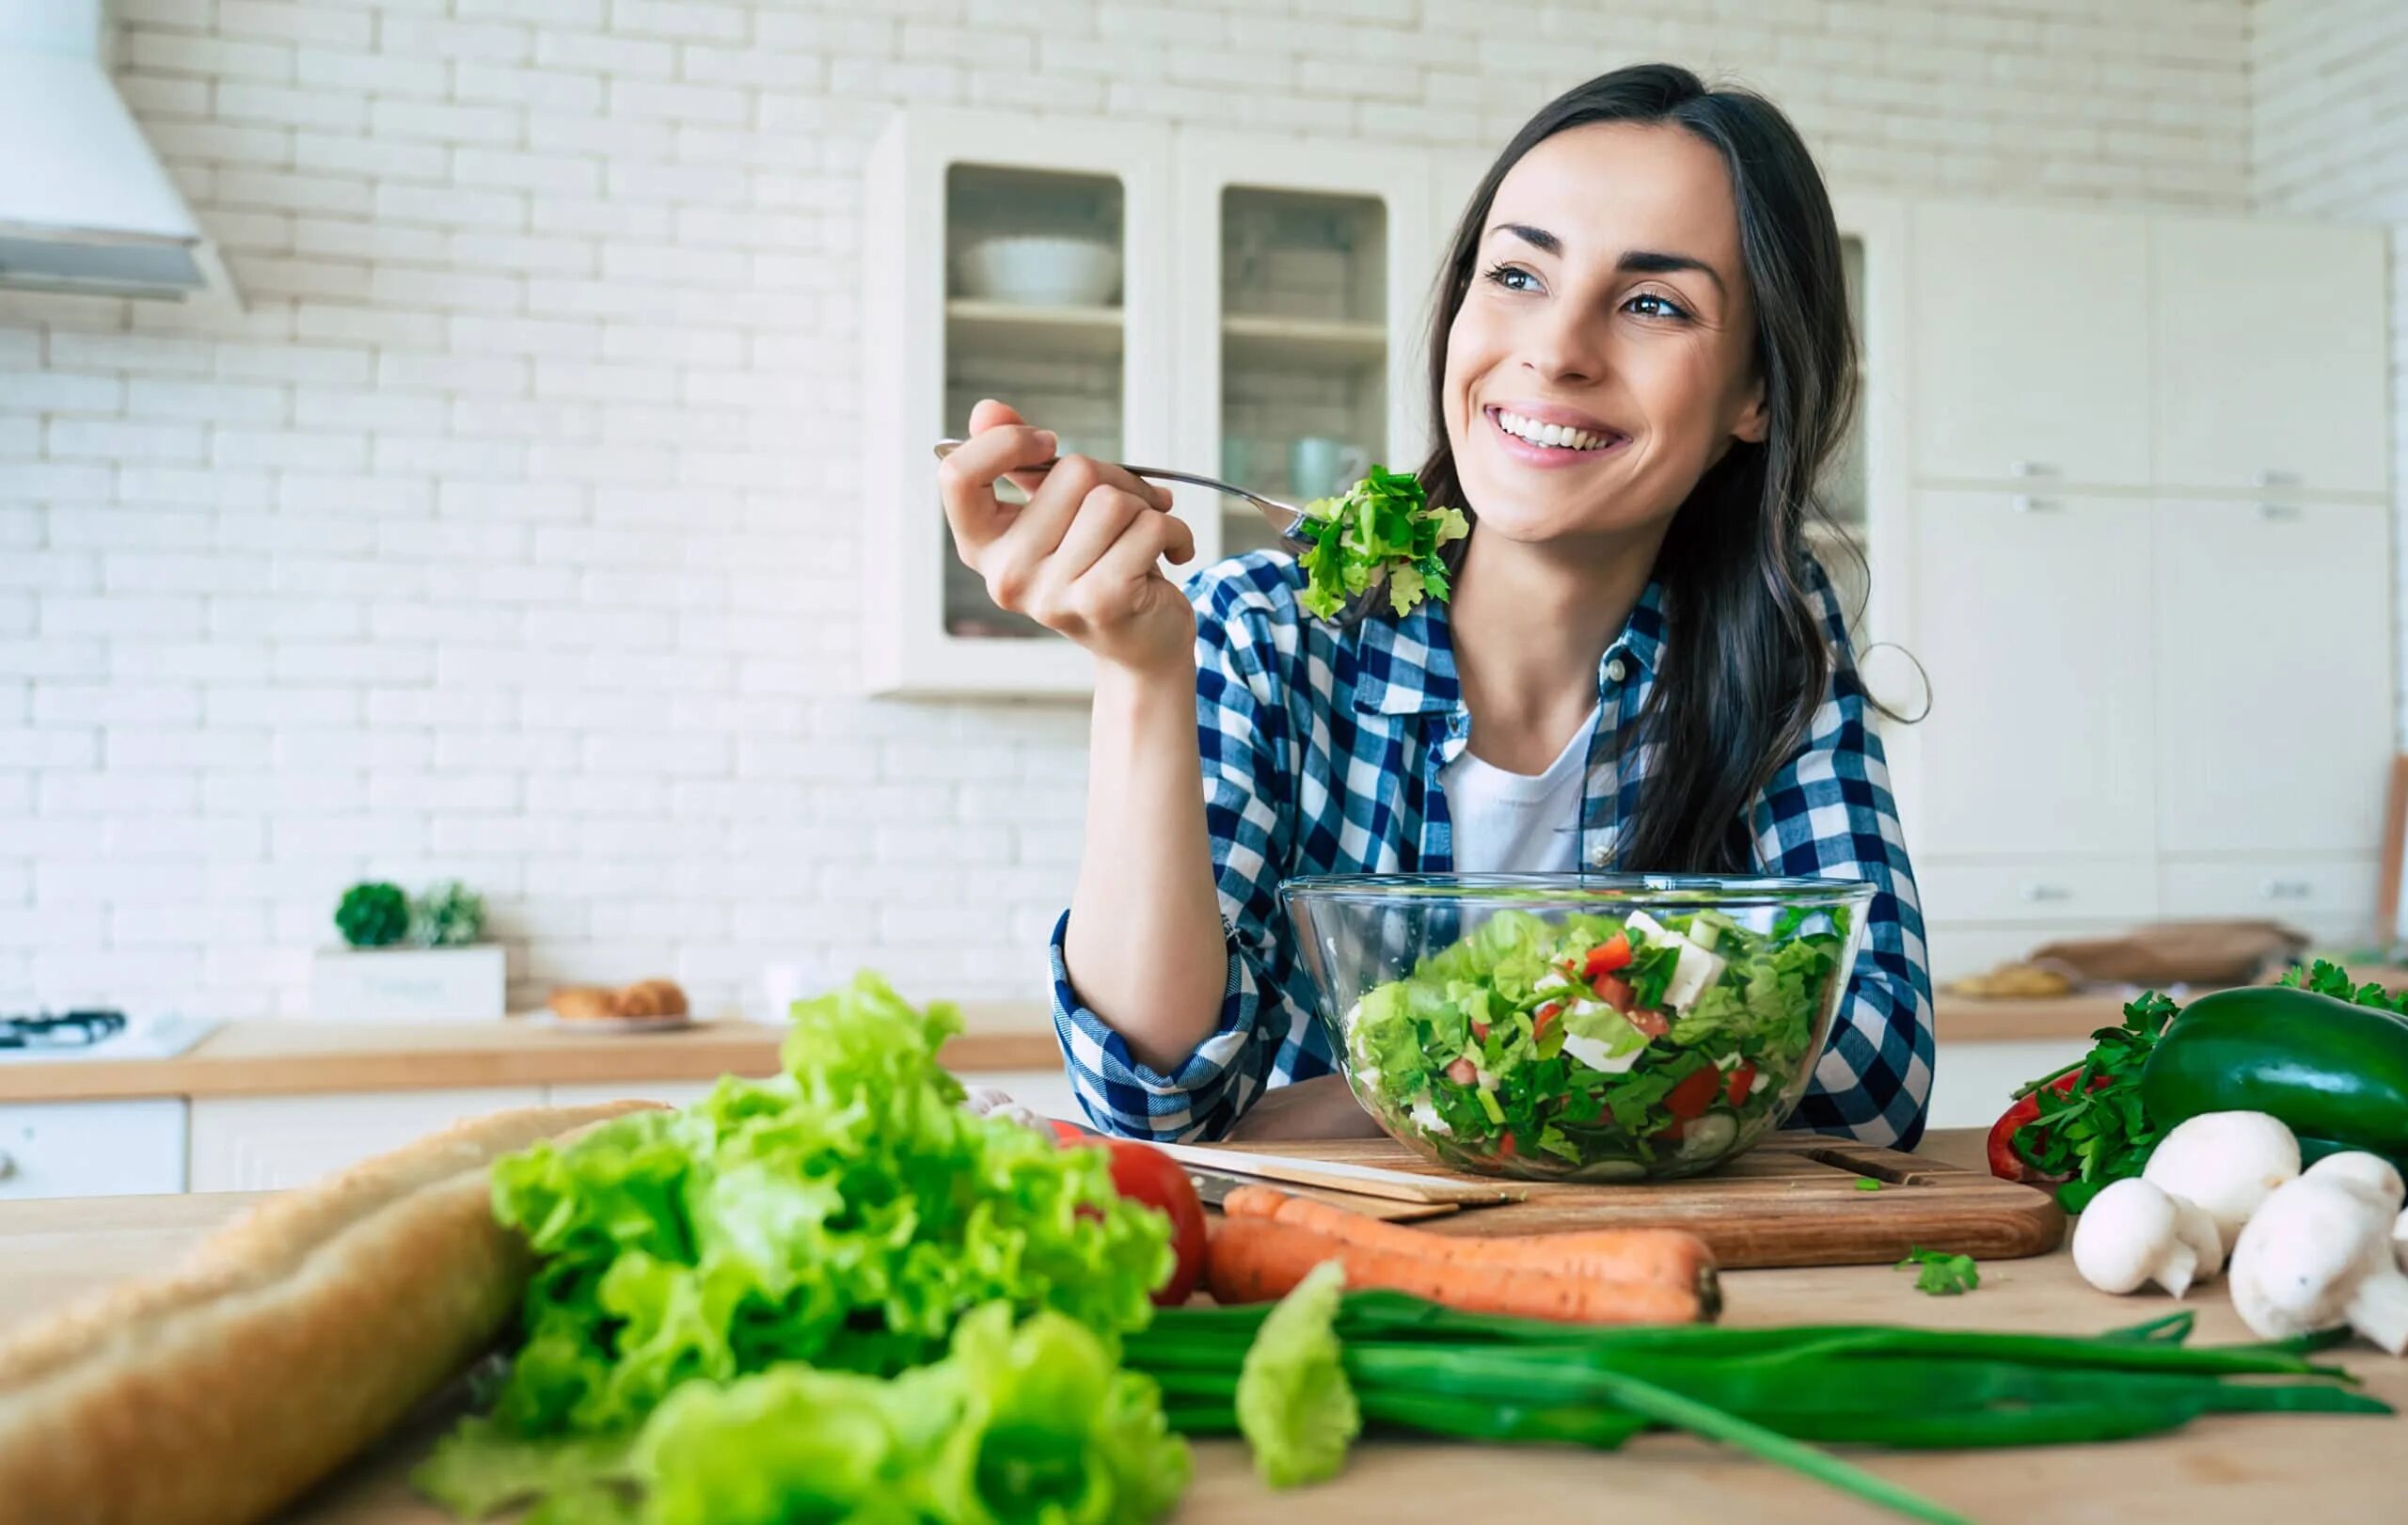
x,y
1755,421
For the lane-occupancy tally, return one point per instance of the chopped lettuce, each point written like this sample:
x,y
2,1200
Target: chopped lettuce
x,y
1582,1029
1383,526
1293,1403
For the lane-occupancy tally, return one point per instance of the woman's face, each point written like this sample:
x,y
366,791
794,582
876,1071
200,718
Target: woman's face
x,y
1608,316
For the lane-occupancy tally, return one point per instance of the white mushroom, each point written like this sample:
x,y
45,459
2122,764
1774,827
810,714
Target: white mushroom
x,y
2316,1255
2132,1233
2372,1171
2399,1241
2227,1163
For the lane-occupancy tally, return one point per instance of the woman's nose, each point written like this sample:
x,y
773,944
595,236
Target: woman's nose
x,y
1563,345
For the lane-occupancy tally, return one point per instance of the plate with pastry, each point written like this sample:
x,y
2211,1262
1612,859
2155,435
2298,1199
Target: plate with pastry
x,y
648,1006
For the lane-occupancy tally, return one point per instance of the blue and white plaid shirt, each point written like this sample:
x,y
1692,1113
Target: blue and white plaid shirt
x,y
1322,749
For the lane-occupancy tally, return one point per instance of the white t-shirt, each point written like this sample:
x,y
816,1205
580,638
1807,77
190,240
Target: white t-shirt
x,y
1514,822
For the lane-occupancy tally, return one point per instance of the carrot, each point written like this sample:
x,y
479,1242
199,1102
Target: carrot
x,y
1255,1260
1671,1256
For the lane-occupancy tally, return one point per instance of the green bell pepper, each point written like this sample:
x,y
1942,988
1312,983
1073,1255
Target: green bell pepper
x,y
2334,1074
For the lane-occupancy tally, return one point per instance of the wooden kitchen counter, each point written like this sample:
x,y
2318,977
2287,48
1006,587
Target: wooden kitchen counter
x,y
2253,1467
299,1057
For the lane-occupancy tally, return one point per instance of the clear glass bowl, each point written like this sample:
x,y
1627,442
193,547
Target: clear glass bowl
x,y
1493,1023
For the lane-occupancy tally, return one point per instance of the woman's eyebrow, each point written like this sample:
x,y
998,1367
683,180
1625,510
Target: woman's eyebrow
x,y
1654,262
1635,262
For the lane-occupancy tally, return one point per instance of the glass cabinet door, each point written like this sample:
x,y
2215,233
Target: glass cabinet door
x,y
1303,348
1301,272
1033,316
1009,257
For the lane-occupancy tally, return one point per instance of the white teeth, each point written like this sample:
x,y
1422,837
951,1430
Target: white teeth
x,y
1560,435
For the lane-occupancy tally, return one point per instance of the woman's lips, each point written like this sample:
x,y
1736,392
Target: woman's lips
x,y
1547,456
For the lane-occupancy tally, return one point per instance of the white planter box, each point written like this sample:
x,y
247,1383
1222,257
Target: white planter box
x,y
445,984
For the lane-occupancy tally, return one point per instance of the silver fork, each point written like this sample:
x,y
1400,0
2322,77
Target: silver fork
x,y
1283,518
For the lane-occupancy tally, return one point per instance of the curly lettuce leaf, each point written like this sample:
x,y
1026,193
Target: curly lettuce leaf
x,y
1294,1406
846,1214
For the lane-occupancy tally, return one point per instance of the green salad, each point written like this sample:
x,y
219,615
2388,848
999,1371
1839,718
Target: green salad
x,y
1602,1046
1383,526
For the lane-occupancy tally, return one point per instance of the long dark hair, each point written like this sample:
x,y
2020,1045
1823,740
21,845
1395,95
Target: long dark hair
x,y
1746,659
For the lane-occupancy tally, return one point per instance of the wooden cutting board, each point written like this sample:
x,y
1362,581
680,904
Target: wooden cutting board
x,y
1791,1201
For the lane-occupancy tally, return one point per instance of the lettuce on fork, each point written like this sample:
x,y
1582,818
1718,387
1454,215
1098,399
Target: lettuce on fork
x,y
1383,526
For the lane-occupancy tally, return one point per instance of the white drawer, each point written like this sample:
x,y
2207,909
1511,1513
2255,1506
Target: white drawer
x,y
92,1149
2303,890
2121,890
267,1143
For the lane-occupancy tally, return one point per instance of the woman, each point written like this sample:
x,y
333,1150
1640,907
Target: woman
x,y
1641,359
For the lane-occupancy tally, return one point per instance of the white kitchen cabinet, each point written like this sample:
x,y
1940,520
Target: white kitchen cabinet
x,y
1046,1092
2330,900
2269,354
1954,948
2274,698
1972,1083
1302,273
91,1149
2037,642
948,316
2030,344
2064,889
266,1143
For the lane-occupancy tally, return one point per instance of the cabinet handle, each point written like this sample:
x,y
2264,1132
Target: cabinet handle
x,y
2287,889
2270,477
2036,893
2278,513
2034,468
2026,504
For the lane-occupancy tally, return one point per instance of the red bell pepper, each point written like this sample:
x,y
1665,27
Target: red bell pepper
x,y
2005,1163
1607,956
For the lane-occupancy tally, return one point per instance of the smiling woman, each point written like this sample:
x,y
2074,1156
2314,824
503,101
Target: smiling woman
x,y
1641,363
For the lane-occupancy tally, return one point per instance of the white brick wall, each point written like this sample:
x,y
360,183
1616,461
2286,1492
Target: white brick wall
x,y
509,534
2329,81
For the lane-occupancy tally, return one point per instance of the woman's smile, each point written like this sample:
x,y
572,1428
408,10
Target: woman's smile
x,y
1550,436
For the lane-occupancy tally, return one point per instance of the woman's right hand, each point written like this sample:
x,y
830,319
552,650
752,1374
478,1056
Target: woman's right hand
x,y
1080,557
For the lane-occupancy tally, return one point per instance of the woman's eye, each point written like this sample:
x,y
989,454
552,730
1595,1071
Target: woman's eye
x,y
1514,277
1650,305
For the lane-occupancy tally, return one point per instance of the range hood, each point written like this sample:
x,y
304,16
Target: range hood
x,y
84,205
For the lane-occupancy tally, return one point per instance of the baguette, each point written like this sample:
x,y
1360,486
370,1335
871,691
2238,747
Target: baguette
x,y
219,1390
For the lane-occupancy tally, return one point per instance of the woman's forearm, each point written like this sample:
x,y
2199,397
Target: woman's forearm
x,y
1145,945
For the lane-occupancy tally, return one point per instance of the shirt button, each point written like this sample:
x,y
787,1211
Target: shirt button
x,y
1614,670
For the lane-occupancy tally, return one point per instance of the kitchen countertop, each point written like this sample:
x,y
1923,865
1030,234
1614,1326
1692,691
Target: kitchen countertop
x,y
297,1057
2237,1467
300,1056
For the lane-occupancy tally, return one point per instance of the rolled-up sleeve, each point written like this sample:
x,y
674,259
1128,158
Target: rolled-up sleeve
x,y
1267,1034
1829,814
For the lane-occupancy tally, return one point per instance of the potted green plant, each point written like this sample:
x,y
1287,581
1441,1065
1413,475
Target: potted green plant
x,y
416,957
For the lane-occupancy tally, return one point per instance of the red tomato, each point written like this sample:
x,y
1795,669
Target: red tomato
x,y
1462,1071
1608,956
1543,1015
1691,1097
1480,1032
1743,1080
1141,1173
1505,1145
1615,991
1650,1022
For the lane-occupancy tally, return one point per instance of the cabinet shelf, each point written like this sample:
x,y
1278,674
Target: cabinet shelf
x,y
1254,339
975,323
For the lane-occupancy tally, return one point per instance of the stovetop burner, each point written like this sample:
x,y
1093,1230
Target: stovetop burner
x,y
72,1029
